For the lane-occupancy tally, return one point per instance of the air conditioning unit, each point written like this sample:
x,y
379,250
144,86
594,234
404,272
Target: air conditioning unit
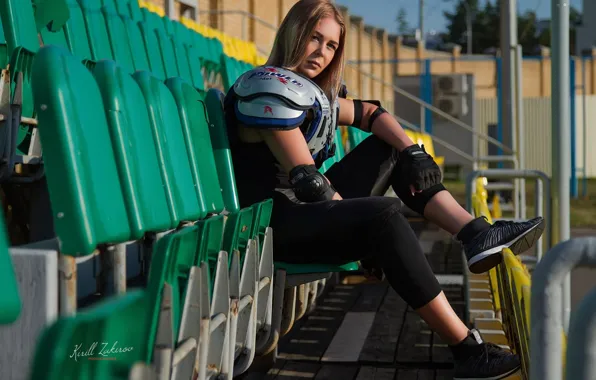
x,y
451,84
454,105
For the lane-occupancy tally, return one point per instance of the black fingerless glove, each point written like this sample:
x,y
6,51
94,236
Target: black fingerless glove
x,y
418,168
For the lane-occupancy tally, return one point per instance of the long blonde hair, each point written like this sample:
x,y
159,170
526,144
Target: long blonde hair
x,y
294,34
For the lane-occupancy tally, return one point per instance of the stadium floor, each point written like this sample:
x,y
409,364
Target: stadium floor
x,y
361,329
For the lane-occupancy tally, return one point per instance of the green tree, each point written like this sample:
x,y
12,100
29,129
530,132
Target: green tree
x,y
486,26
403,27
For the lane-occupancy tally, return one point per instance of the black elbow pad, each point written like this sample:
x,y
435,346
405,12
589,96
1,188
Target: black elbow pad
x,y
359,112
309,185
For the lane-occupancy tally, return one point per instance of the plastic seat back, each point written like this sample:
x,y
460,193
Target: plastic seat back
x,y
171,149
82,176
193,115
50,18
135,38
10,300
102,342
221,149
76,32
99,40
165,46
180,51
3,48
186,37
153,50
172,258
135,152
118,36
22,43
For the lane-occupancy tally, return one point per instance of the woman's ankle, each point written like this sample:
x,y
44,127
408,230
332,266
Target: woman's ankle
x,y
473,228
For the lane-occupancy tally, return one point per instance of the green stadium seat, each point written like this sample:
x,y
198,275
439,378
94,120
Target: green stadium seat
x,y
210,50
232,70
356,136
180,52
135,38
173,257
22,43
156,26
3,48
195,129
76,32
123,8
195,125
118,36
168,136
142,147
50,18
315,268
122,321
85,192
10,300
156,64
185,37
99,39
135,10
132,140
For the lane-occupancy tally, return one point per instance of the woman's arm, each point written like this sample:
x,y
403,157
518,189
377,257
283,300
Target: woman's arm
x,y
290,149
415,165
385,126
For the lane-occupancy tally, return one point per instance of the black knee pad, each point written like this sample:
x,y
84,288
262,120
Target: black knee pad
x,y
418,201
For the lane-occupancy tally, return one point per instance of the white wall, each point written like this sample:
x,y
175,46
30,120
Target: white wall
x,y
537,117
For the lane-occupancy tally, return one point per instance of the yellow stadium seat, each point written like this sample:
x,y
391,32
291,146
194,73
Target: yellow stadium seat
x,y
426,139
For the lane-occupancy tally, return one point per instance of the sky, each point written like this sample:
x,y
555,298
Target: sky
x,y
382,13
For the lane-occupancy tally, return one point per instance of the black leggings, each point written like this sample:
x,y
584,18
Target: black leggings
x,y
365,225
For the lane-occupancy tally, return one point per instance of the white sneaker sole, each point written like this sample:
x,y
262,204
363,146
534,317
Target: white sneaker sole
x,y
517,246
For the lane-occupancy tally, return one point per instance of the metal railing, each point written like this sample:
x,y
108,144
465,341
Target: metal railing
x,y
548,323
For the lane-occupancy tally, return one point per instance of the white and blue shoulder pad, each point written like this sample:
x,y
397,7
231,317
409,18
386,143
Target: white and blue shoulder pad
x,y
273,98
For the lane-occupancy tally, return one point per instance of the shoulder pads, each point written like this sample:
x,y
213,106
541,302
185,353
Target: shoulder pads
x,y
272,97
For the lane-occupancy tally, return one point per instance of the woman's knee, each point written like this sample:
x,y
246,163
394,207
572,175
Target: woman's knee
x,y
418,201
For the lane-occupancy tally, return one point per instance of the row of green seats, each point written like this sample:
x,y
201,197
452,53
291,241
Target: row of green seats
x,y
232,69
138,126
147,186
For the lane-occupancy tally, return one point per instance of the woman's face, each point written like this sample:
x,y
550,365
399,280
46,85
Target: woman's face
x,y
321,48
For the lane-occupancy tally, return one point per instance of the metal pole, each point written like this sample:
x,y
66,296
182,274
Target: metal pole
x,y
585,131
421,23
520,148
546,302
508,45
469,27
539,210
581,352
572,146
561,133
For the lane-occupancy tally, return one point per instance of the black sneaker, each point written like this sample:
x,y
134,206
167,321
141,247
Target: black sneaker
x,y
484,361
484,250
